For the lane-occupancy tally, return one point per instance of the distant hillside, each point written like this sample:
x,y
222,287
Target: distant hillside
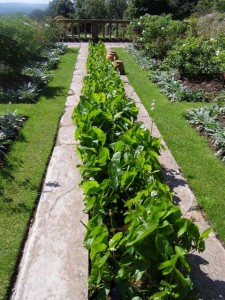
x,y
26,8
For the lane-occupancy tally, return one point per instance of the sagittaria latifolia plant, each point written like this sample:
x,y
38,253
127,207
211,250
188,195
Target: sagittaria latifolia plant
x,y
137,238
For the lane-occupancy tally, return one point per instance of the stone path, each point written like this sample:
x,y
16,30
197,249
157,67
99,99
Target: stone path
x,y
54,263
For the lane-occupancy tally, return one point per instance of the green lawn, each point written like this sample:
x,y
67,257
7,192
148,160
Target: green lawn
x,y
204,172
22,176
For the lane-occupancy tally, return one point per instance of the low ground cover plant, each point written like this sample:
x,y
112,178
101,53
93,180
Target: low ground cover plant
x,y
10,125
137,238
210,122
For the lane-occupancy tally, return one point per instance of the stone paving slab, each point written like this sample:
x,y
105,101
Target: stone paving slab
x,y
66,119
66,136
74,99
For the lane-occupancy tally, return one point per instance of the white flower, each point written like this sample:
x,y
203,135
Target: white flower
x,y
217,52
153,105
154,193
139,23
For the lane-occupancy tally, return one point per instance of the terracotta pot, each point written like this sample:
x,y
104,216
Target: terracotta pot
x,y
118,64
113,53
110,56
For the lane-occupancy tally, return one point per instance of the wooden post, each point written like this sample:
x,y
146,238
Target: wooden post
x,y
78,30
85,30
103,30
72,30
117,30
110,30
94,31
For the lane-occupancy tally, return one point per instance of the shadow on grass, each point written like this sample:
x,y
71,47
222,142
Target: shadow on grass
x,y
51,92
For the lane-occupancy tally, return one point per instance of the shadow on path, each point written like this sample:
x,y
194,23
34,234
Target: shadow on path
x,y
209,289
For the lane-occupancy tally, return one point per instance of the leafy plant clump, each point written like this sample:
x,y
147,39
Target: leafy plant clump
x,y
155,35
210,122
10,124
137,238
199,59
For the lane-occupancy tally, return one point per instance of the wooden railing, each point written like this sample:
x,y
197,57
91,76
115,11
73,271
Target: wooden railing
x,y
72,29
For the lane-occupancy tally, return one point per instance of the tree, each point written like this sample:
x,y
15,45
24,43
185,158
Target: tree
x,y
37,14
90,9
60,8
115,8
178,8
139,8
182,8
207,6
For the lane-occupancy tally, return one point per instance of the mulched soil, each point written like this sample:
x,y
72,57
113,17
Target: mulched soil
x,y
205,86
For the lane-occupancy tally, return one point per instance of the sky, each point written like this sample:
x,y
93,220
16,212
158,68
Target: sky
x,y
25,1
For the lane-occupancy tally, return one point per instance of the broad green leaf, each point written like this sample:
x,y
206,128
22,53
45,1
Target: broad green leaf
x,y
159,295
138,274
103,259
180,250
186,282
206,233
115,240
163,246
143,233
183,228
103,156
167,270
116,157
128,178
91,186
96,248
167,263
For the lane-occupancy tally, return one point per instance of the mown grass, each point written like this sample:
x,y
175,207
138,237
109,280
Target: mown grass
x,y
23,173
204,172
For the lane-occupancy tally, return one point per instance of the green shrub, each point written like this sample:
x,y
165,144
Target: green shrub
x,y
21,41
25,44
196,58
156,34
